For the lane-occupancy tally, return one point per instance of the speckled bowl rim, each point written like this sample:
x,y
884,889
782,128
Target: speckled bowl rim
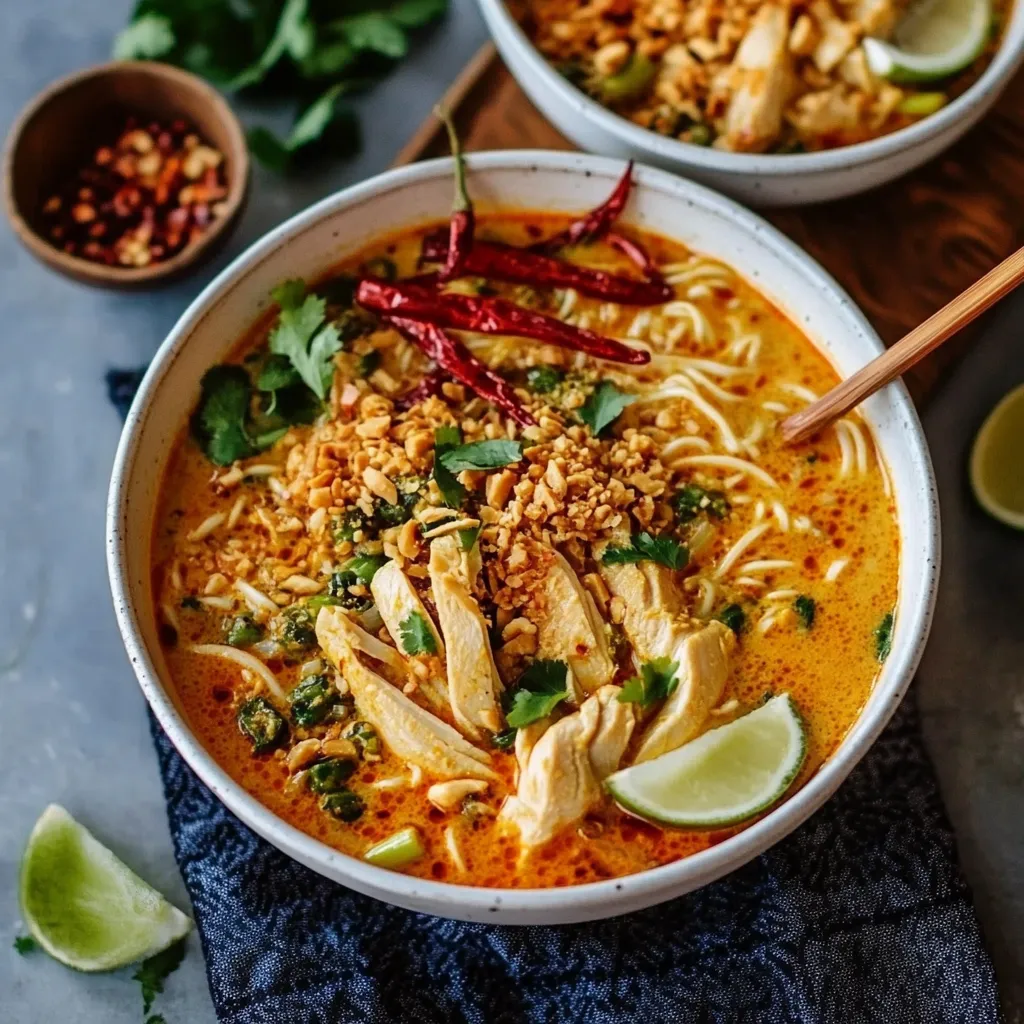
x,y
1008,58
595,899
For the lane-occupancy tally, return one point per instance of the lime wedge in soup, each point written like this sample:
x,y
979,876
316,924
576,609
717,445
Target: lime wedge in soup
x,y
86,908
997,461
724,776
934,39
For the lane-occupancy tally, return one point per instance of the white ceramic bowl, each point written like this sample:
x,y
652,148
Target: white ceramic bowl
x,y
756,179
312,241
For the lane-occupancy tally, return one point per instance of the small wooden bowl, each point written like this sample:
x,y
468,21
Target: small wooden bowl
x,y
58,133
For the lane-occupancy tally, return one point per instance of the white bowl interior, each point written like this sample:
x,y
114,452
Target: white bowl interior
x,y
310,243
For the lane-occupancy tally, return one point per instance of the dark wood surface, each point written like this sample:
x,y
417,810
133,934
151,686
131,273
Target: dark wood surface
x,y
902,251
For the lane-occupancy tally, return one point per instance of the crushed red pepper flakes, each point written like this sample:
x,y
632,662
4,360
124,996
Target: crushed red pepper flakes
x,y
142,199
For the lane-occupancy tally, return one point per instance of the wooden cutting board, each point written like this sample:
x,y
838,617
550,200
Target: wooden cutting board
x,y
901,251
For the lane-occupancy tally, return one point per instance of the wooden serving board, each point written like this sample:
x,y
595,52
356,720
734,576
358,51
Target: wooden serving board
x,y
902,251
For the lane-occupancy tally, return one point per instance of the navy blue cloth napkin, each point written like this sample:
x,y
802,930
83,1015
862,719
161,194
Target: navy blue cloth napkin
x,y
861,915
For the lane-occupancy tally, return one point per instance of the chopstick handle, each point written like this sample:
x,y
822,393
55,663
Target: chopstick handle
x,y
909,350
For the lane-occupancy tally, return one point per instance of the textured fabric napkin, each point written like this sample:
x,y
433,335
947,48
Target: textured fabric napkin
x,y
861,915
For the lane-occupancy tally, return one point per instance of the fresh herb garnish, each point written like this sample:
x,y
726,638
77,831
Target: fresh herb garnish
x,y
24,944
468,537
277,373
152,973
364,567
538,691
242,631
302,335
348,524
219,422
417,636
446,439
603,406
806,608
264,727
542,380
692,500
505,739
644,547
883,636
657,680
733,616
481,455
369,363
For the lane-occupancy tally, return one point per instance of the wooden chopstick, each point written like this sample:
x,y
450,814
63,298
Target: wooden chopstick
x,y
910,349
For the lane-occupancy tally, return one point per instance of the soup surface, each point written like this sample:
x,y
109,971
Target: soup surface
x,y
743,75
354,627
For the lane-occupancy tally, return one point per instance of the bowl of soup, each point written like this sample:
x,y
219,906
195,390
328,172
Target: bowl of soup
x,y
416,567
774,104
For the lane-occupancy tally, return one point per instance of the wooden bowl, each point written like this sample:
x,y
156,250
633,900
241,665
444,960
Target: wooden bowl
x,y
59,132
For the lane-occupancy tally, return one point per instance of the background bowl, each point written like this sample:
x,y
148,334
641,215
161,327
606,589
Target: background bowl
x,y
756,179
311,242
60,129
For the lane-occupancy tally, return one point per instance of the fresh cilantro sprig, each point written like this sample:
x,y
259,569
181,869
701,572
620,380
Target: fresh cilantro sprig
x,y
883,636
733,616
657,680
481,455
303,336
447,438
417,636
644,547
603,406
539,690
364,567
152,973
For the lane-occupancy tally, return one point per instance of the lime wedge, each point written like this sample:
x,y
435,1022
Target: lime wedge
x,y
935,39
86,908
725,776
997,461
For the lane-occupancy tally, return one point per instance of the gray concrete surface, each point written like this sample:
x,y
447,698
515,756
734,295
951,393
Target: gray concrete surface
x,y
72,722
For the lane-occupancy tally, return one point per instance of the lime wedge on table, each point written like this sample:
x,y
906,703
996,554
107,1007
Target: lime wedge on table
x,y
997,461
86,908
934,39
722,777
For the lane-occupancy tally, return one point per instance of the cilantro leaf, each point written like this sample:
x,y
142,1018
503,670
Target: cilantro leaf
x,y
481,455
657,680
292,35
468,537
733,616
365,567
157,1018
417,636
505,739
538,692
277,373
883,636
447,438
218,423
374,31
603,406
417,13
806,608
644,547
312,125
24,944
152,973
304,338
146,38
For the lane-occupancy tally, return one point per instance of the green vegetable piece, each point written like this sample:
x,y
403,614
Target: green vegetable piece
x,y
397,851
219,422
303,337
806,608
338,592
24,944
481,455
368,364
242,631
657,680
701,134
416,634
603,407
364,567
447,438
385,514
343,805
883,636
311,701
692,500
264,727
295,628
537,692
920,104
381,266
348,524
365,737
733,616
152,973
504,740
468,537
644,547
376,32
331,775
542,380
632,81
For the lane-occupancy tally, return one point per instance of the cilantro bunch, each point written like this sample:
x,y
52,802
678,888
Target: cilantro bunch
x,y
309,51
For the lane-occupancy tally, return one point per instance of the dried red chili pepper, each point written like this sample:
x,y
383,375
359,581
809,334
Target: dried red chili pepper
x,y
595,224
463,221
500,262
488,316
639,256
453,356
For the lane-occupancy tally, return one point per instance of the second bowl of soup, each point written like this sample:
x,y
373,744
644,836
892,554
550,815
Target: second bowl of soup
x,y
488,625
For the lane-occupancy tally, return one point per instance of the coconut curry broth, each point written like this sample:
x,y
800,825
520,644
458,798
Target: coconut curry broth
x,y
807,596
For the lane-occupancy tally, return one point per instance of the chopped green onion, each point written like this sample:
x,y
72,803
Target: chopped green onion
x,y
920,104
397,850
